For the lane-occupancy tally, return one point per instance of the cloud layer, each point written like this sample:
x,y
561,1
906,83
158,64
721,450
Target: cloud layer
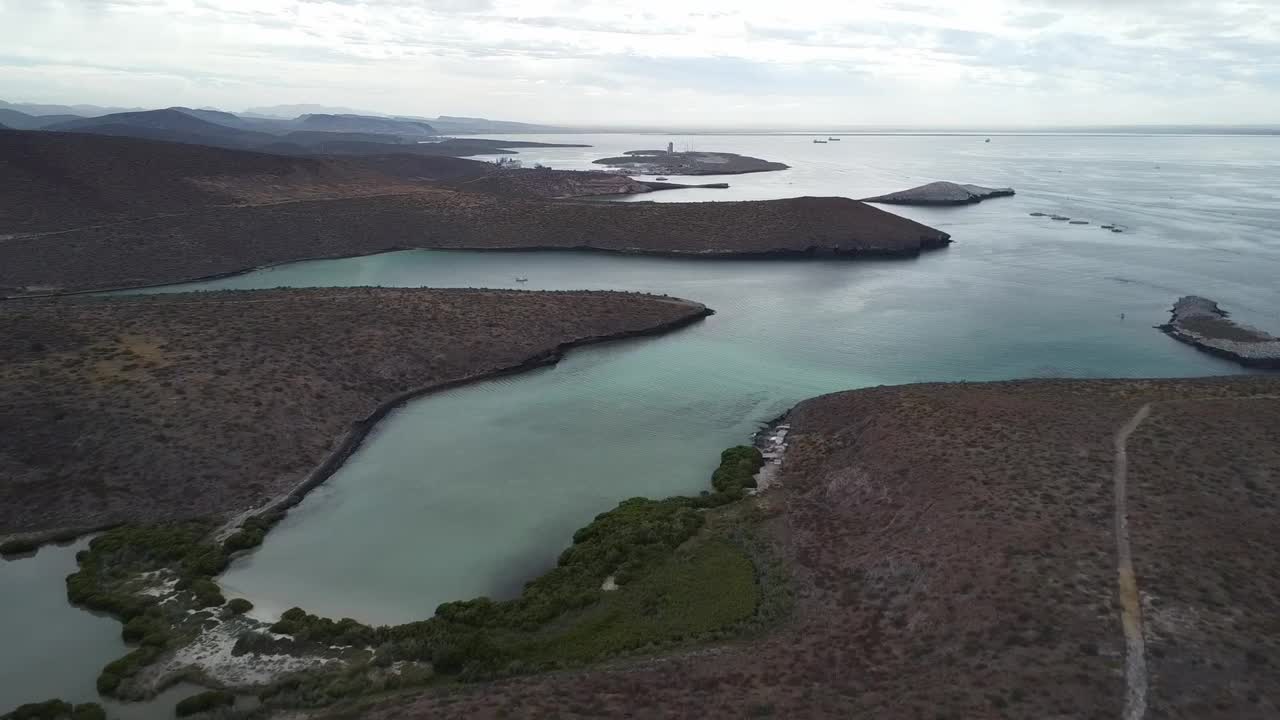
x,y
663,62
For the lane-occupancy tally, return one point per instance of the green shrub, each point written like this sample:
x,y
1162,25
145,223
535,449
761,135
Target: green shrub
x,y
306,627
243,540
18,547
47,710
88,711
146,628
474,651
239,606
692,594
107,682
738,466
207,592
56,710
204,702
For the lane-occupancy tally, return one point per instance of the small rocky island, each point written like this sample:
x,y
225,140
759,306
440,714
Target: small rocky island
x,y
941,193
1200,322
666,162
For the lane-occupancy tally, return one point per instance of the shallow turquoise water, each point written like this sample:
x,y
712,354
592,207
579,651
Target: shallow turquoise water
x,y
475,490
53,650
472,491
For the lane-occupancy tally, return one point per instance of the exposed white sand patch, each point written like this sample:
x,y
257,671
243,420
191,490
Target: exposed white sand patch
x,y
211,654
157,583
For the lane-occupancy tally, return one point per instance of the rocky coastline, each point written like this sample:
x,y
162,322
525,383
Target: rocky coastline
x,y
221,241
1199,322
941,193
661,162
360,429
123,409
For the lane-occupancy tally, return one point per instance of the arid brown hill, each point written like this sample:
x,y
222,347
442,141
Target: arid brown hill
x,y
953,549
56,181
171,249
89,212
171,406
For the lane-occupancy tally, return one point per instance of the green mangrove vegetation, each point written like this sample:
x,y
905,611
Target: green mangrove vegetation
x,y
119,563
204,702
239,606
646,575
20,546
738,467
56,710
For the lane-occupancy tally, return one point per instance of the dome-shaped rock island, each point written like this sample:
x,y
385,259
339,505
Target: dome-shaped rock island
x,y
941,193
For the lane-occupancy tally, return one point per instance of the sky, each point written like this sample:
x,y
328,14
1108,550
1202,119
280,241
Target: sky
x,y
687,63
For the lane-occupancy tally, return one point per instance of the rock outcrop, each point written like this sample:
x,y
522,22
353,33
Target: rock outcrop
x,y
1201,323
941,193
661,162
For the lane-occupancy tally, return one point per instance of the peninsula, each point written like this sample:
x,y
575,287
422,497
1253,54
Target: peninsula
x,y
662,162
87,212
164,407
941,193
563,184
955,546
1199,322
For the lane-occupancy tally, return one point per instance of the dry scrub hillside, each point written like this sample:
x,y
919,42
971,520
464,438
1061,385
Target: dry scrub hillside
x,y
952,550
171,249
173,406
56,181
1205,507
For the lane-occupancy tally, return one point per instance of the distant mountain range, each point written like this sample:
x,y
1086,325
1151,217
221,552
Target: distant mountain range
x,y
313,130
388,142
77,110
449,124
362,126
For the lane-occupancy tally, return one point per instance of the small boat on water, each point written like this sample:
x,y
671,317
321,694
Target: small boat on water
x,y
661,179
834,139
820,142
520,279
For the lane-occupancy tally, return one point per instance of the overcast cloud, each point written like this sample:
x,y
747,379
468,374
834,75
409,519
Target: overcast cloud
x,y
662,62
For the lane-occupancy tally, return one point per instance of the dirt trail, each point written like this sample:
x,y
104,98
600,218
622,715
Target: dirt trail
x,y
1135,665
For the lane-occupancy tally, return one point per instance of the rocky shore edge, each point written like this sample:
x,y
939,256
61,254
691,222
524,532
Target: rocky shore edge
x,y
941,193
19,545
1199,322
813,251
360,429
